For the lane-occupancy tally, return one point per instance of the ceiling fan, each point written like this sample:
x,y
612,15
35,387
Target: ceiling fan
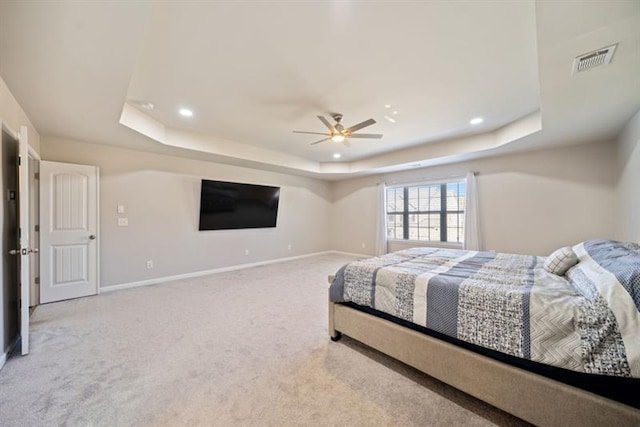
x,y
338,133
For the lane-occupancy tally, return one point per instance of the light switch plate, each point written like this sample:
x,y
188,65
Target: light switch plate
x,y
120,209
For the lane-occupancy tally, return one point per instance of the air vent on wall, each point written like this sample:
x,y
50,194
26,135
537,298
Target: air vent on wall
x,y
593,59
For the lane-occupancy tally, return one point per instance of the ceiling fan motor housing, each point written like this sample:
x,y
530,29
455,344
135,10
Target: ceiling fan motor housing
x,y
338,133
338,126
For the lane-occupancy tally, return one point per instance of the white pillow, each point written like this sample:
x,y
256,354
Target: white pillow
x,y
560,261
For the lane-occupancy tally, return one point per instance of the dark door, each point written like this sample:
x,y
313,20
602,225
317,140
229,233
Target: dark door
x,y
10,241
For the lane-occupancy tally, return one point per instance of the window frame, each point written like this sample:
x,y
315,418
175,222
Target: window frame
x,y
443,212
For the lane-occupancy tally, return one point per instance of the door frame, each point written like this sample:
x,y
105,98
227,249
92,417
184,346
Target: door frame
x,y
24,206
11,346
24,215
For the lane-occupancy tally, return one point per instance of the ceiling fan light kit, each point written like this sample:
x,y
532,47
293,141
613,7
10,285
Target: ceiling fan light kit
x,y
338,133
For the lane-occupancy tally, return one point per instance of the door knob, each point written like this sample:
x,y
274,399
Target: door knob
x,y
92,237
23,251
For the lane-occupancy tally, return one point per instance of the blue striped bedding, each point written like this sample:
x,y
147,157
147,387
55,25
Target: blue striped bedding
x,y
587,320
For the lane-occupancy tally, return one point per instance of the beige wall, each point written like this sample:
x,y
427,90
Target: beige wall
x,y
529,202
13,116
628,185
161,195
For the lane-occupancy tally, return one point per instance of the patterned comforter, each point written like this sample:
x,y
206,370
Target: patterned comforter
x,y
586,321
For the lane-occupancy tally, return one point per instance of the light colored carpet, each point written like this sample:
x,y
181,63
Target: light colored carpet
x,y
248,347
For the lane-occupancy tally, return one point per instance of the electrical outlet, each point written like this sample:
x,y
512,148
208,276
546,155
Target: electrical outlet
x,y
149,264
123,222
289,247
364,245
246,251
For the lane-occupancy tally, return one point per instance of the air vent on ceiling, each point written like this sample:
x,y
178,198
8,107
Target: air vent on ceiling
x,y
593,59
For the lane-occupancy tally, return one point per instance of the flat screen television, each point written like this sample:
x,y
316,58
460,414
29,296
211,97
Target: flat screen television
x,y
232,205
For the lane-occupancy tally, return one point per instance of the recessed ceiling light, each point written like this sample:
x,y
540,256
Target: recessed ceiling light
x,y
337,155
387,106
476,121
395,112
391,119
186,112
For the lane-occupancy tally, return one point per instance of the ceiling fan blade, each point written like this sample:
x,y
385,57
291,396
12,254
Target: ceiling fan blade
x,y
311,133
318,142
327,124
360,126
366,135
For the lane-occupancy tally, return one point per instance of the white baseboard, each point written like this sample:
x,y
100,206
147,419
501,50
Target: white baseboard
x,y
352,254
155,281
9,350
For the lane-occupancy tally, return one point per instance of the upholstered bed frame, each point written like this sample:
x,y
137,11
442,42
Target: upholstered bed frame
x,y
534,398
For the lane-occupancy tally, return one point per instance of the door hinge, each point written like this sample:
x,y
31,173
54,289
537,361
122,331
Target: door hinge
x,y
36,280
37,228
36,175
19,161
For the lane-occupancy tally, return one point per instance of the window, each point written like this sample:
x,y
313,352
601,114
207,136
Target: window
x,y
429,212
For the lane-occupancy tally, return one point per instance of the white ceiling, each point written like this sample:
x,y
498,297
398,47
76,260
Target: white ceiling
x,y
253,72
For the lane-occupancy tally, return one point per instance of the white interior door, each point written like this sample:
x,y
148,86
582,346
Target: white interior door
x,y
68,231
24,227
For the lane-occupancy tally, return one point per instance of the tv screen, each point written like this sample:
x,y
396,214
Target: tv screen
x,y
231,205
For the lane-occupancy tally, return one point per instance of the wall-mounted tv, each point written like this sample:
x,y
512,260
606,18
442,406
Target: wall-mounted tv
x,y
231,205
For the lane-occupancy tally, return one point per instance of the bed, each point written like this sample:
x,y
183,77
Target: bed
x,y
554,341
